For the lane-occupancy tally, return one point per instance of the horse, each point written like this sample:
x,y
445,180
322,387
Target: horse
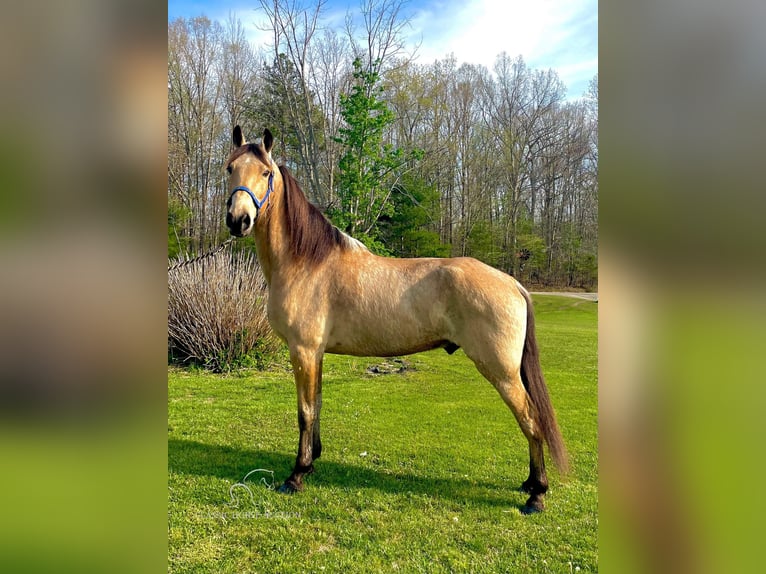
x,y
329,294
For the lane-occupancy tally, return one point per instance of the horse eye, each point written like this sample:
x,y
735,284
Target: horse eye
x,y
228,168
266,173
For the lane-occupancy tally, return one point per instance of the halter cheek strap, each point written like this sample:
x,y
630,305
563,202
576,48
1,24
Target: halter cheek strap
x,y
258,204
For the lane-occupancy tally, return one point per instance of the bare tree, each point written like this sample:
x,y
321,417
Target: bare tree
x,y
330,77
238,71
512,130
381,40
194,96
294,26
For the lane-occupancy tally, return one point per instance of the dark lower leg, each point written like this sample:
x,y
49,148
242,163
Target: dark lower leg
x,y
316,443
307,366
536,485
304,461
306,456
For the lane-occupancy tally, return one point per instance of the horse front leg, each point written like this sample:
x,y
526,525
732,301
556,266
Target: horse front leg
x,y
307,368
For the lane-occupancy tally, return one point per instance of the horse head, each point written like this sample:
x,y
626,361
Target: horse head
x,y
251,181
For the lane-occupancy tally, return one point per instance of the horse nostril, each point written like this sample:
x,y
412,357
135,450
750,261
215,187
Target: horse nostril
x,y
246,222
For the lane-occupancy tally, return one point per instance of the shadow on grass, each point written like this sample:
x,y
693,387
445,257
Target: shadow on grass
x,y
191,457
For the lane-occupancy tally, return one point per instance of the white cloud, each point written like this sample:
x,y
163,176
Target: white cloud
x,y
558,34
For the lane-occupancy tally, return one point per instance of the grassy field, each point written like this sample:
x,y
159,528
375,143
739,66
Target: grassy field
x,y
419,473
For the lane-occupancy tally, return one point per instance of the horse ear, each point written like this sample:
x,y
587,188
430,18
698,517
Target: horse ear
x,y
268,140
237,137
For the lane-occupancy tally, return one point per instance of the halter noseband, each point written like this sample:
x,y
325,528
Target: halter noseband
x,y
258,204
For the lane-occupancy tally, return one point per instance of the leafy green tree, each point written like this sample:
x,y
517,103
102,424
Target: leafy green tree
x,y
369,167
412,230
481,242
529,256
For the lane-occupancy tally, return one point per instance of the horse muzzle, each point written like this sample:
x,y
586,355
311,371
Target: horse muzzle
x,y
240,226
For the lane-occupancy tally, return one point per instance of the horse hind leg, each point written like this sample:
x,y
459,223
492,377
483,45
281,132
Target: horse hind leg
x,y
509,385
536,485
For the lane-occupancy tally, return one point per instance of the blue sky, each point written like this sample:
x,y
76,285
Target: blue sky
x,y
558,34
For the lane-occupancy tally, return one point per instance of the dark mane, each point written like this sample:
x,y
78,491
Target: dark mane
x,y
311,236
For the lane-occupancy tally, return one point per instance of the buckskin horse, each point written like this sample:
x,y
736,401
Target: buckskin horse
x,y
329,294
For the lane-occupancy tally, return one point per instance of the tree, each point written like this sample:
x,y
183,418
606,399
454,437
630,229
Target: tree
x,y
369,169
412,229
415,160
195,126
271,107
293,27
381,40
238,72
178,243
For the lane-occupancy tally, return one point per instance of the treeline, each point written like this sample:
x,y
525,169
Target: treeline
x,y
415,160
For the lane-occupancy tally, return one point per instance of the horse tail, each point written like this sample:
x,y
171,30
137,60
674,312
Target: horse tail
x,y
534,383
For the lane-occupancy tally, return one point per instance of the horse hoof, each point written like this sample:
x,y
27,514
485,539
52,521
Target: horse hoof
x,y
289,488
533,506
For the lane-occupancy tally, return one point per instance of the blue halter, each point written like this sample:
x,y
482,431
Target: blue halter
x,y
258,204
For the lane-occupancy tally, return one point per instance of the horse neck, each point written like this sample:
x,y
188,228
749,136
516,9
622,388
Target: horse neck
x,y
271,235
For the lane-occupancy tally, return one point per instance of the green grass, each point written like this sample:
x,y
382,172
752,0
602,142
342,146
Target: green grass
x,y
435,492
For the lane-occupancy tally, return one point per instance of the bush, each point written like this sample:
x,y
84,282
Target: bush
x,y
217,313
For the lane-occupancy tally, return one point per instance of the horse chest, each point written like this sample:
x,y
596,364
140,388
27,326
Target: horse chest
x,y
295,317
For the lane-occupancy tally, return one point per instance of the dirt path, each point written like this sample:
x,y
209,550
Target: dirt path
x,y
589,296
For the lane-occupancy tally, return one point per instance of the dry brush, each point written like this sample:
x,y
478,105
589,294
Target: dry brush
x,y
217,312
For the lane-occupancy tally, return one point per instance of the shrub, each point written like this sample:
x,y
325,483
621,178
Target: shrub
x,y
217,312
